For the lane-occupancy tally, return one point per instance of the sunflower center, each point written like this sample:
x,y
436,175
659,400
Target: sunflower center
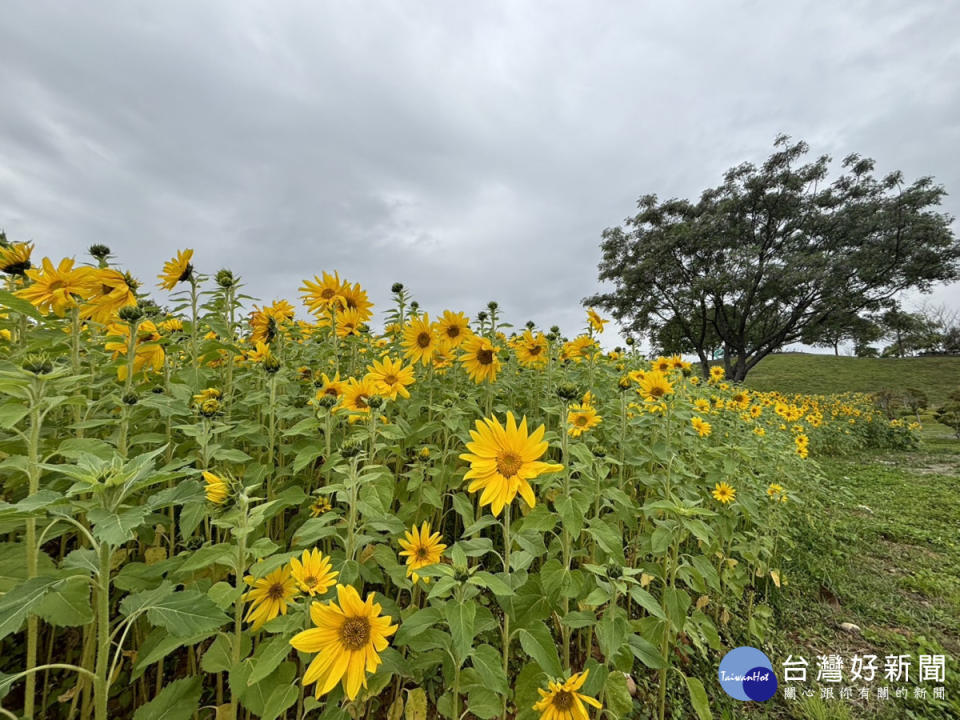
x,y
327,293
355,633
563,700
390,379
581,420
422,553
276,591
535,350
362,401
310,581
453,331
331,391
423,339
485,357
185,275
508,465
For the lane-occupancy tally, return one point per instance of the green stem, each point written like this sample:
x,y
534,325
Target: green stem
x,y
101,686
33,452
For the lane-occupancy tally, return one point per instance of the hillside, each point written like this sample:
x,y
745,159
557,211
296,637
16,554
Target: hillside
x,y
822,374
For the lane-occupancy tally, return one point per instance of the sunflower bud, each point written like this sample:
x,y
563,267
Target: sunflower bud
x,y
414,306
327,401
129,398
629,341
130,313
492,306
225,279
271,364
567,391
350,449
375,401
396,288
99,252
37,364
624,382
614,571
482,315
531,324
210,407
157,390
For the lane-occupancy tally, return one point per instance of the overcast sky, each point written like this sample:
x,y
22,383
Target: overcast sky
x,y
472,151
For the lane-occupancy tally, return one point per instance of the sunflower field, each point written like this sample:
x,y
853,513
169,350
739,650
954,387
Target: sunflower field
x,y
212,508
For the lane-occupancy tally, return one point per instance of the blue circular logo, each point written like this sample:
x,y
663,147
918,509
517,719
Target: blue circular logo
x,y
747,674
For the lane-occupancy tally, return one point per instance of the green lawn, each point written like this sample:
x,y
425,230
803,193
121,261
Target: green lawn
x,y
825,374
881,550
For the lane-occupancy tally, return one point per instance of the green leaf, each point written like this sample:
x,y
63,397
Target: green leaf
x,y
539,644
13,302
645,600
419,621
218,657
579,619
461,618
21,601
183,614
268,657
483,703
11,413
493,583
67,603
677,604
115,528
616,695
177,701
158,644
698,698
646,652
488,662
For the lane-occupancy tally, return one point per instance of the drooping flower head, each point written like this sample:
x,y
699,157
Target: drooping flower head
x,y
216,489
176,270
347,638
15,258
503,459
596,322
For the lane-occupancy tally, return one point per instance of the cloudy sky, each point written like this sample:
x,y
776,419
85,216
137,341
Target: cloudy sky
x,y
473,151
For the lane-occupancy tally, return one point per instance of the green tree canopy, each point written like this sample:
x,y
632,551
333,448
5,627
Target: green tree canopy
x,y
773,252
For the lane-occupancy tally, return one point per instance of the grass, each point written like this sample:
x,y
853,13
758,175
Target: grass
x,y
825,374
882,551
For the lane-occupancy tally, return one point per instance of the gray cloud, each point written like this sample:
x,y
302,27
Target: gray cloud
x,y
473,152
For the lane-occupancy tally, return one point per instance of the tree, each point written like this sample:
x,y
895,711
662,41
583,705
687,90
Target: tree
x,y
773,252
910,332
840,328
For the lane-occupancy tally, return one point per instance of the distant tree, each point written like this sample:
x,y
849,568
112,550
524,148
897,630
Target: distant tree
x,y
911,333
772,252
841,327
951,340
949,413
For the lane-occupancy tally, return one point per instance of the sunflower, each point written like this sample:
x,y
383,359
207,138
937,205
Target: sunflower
x,y
596,322
356,298
348,638
270,596
176,270
391,377
15,258
57,288
563,702
349,322
503,460
655,386
577,348
333,387
313,572
420,340
216,489
480,359
320,506
453,328
260,353
357,393
776,493
756,411
148,352
662,364
678,363
532,350
723,493
582,418
112,290
717,374
702,405
421,549
702,427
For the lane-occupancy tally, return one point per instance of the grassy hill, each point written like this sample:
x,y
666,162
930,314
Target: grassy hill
x,y
824,374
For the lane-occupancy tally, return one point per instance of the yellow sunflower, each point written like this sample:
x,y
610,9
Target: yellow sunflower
x,y
582,418
176,270
148,352
323,295
347,638
717,374
260,353
58,288
333,387
269,597
313,572
655,386
420,340
320,506
356,395
349,322
563,702
356,298
15,258
702,405
216,489
532,350
480,359
421,549
391,377
453,328
503,460
702,427
596,322
776,493
724,493
577,348
112,290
